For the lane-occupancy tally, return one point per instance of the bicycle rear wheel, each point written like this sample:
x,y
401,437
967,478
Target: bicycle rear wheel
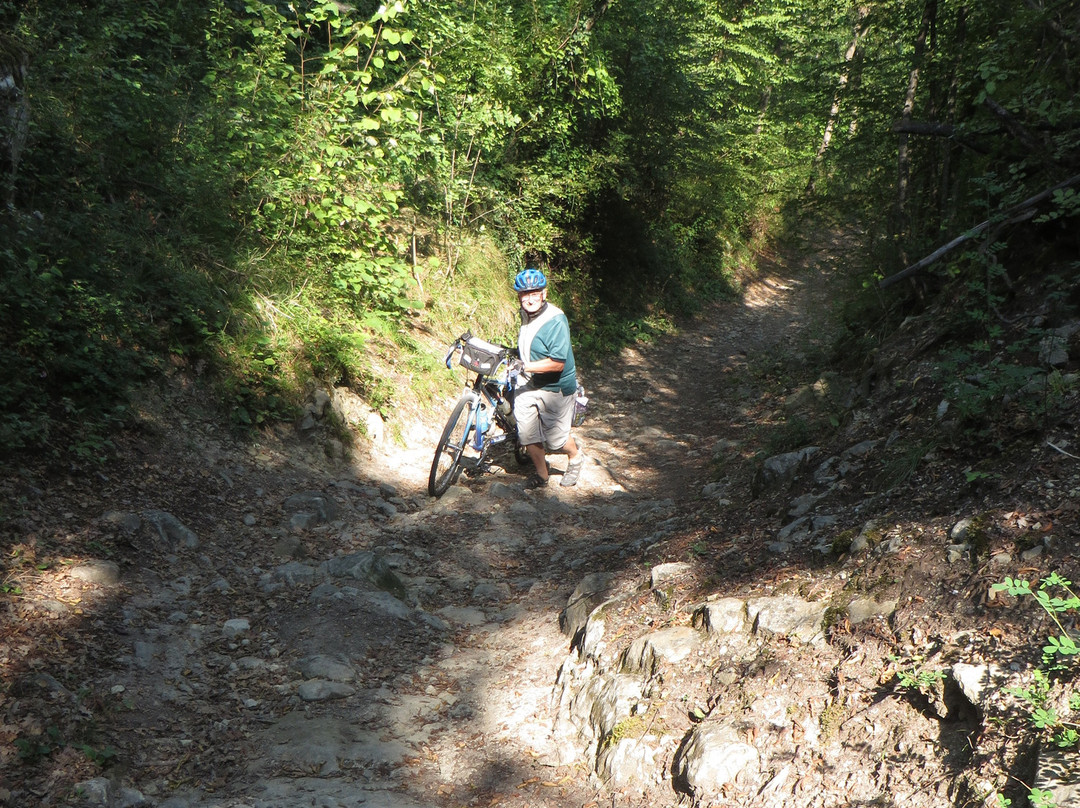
x,y
447,463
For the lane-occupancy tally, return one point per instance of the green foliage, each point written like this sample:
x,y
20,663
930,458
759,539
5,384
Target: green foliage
x,y
1044,696
977,384
101,757
1066,203
1053,604
902,463
1041,798
917,678
34,748
263,190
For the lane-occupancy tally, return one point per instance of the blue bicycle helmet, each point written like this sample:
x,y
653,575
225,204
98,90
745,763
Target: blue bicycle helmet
x,y
529,280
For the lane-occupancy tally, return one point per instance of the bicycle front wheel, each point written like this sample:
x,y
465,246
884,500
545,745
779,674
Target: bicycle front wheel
x,y
447,463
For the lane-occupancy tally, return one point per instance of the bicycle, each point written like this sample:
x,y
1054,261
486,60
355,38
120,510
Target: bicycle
x,y
483,416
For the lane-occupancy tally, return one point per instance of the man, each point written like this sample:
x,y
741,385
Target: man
x,y
544,406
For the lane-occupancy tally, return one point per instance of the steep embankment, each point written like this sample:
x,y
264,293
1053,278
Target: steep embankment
x,y
267,626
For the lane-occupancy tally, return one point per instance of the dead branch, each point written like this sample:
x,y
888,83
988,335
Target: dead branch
x,y
933,129
1017,212
924,128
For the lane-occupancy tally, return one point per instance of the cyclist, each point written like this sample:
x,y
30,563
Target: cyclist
x,y
544,405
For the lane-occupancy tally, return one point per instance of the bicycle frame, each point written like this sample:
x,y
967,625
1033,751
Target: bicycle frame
x,y
487,399
490,390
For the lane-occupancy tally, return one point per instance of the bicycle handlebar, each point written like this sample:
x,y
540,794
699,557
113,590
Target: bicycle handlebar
x,y
509,354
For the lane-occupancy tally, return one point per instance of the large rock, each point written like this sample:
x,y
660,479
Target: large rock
x,y
862,609
594,711
1059,773
723,617
629,761
668,646
97,571
779,470
310,508
169,530
590,593
365,566
712,757
788,616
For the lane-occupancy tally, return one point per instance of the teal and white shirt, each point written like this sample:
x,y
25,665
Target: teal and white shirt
x,y
547,336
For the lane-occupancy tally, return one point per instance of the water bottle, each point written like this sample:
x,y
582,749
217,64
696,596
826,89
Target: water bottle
x,y
581,404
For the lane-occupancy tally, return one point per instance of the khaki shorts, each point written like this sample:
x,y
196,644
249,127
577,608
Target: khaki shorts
x,y
543,417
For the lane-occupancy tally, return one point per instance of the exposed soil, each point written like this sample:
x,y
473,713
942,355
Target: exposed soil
x,y
450,693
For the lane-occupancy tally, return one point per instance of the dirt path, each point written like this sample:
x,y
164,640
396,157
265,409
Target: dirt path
x,y
264,666
467,713
658,411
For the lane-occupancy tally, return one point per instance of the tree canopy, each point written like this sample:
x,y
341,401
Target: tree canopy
x,y
253,189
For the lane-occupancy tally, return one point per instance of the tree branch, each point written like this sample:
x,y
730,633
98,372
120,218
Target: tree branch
x,y
1012,126
1016,212
924,128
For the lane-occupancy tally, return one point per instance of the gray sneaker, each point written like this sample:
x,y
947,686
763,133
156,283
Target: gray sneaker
x,y
573,471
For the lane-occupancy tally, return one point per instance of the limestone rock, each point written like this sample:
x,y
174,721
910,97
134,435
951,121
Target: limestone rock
x,y
668,646
170,531
590,593
788,616
712,757
723,616
100,572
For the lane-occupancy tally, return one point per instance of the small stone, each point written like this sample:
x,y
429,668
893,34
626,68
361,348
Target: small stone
x,y
960,530
1032,554
102,573
235,627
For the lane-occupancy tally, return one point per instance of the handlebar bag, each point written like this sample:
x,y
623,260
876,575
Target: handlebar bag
x,y
481,356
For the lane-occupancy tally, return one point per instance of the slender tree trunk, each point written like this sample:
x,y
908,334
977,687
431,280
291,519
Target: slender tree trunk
x,y
903,157
861,26
763,109
14,114
947,210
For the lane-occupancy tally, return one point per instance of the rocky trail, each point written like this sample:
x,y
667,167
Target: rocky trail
x,y
265,625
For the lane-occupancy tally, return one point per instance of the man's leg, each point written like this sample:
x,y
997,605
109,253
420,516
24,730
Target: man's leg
x,y
575,460
539,459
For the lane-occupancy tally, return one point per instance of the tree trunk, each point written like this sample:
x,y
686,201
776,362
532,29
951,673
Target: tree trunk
x,y
14,113
947,209
861,27
763,109
903,158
